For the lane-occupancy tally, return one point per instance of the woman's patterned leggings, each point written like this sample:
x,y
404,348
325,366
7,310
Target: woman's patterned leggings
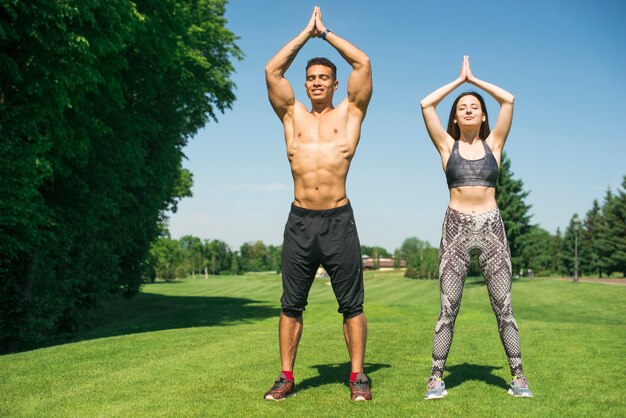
x,y
462,235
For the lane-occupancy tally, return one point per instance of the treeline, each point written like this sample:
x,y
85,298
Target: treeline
x,y
601,237
191,256
601,245
97,100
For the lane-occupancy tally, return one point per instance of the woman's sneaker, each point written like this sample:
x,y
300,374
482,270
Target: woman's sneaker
x,y
435,388
281,390
519,387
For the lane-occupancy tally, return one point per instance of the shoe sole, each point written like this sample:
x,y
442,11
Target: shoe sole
x,y
523,395
444,393
360,399
271,398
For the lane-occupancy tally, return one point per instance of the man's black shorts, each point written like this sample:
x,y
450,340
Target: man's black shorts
x,y
327,237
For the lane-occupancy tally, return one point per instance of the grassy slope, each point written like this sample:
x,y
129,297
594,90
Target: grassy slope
x,y
209,348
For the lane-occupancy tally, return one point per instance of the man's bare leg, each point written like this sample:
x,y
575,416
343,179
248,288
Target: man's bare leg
x,y
289,333
355,331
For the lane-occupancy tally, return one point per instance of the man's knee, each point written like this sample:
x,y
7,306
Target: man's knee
x,y
352,313
292,313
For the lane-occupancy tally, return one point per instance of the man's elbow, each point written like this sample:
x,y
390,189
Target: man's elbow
x,y
366,63
272,72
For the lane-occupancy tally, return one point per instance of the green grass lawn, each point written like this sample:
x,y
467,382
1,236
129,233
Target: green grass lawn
x,y
210,348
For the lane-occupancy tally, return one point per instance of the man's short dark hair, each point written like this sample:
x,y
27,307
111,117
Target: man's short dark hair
x,y
323,61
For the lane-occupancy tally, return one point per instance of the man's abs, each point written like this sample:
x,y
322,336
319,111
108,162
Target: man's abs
x,y
319,175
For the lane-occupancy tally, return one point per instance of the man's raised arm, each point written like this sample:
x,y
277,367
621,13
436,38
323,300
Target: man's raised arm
x,y
279,90
360,80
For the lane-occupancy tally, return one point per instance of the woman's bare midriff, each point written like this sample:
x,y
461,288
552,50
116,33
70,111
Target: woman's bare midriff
x,y
473,200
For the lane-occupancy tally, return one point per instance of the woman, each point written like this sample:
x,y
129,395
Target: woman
x,y
470,155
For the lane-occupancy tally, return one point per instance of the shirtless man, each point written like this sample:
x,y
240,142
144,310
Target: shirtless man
x,y
320,228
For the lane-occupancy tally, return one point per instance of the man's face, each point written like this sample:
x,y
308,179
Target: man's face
x,y
319,83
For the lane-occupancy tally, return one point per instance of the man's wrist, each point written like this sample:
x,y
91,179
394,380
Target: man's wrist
x,y
326,32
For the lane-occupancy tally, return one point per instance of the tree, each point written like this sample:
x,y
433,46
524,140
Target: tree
x,y
589,256
235,266
611,242
603,244
618,218
365,250
537,250
275,257
510,197
421,259
97,101
555,251
567,259
168,256
254,256
217,255
397,259
192,254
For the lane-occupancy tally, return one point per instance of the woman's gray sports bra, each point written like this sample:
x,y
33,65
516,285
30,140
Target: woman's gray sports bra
x,y
461,172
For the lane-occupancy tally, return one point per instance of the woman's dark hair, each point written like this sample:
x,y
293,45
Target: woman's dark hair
x,y
323,61
453,128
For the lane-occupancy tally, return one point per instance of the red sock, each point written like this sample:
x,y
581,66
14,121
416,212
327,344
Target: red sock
x,y
288,374
353,376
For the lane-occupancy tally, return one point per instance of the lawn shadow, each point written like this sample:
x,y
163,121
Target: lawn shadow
x,y
337,373
464,372
149,312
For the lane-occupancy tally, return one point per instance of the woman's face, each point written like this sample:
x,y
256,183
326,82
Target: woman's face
x,y
469,112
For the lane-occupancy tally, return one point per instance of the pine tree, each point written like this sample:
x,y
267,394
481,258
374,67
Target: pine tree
x,y
603,243
589,258
536,250
614,232
567,259
557,239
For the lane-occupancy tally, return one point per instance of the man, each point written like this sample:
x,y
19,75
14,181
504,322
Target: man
x,y
320,228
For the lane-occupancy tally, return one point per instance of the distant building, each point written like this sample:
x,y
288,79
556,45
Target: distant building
x,y
383,263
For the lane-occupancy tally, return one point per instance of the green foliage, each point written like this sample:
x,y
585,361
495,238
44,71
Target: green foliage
x,y
422,260
379,251
218,257
555,252
536,248
601,238
192,257
611,232
571,239
590,261
189,256
97,100
256,257
168,256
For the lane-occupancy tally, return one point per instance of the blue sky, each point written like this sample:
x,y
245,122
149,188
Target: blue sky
x,y
565,62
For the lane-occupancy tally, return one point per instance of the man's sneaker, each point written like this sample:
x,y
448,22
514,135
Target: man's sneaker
x,y
435,388
360,389
519,387
281,390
